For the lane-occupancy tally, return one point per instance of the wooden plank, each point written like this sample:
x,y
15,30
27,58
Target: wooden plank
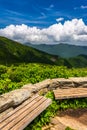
x,y
19,107
25,121
69,97
20,117
18,114
70,93
71,90
22,113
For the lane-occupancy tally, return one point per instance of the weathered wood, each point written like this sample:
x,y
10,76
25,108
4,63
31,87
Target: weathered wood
x,y
23,123
18,108
10,121
19,118
70,93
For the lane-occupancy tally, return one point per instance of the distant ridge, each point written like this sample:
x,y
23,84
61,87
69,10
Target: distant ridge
x,y
62,50
12,52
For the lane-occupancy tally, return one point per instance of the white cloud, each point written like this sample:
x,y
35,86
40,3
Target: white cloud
x,y
59,19
83,6
72,32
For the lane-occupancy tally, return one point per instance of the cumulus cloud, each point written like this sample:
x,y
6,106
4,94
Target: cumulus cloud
x,y
71,32
59,19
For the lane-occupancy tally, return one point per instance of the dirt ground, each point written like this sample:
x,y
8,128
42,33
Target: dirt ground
x,y
75,119
78,114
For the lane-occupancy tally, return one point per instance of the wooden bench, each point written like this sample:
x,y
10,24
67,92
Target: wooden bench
x,y
70,93
22,115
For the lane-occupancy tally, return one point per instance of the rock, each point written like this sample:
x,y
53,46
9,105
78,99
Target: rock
x,y
54,121
43,91
43,84
79,81
61,83
84,86
53,84
30,87
18,96
5,103
64,83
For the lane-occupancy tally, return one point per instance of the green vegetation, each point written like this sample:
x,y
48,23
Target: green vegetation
x,y
12,52
79,61
13,77
62,49
21,65
52,110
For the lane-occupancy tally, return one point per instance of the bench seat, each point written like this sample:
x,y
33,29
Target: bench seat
x,y
24,114
70,93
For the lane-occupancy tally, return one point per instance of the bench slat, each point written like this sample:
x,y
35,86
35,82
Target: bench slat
x,y
18,108
19,114
23,123
70,93
24,114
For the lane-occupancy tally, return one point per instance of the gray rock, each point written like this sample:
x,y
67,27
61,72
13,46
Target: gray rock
x,y
53,84
43,84
61,83
82,86
18,96
30,87
79,81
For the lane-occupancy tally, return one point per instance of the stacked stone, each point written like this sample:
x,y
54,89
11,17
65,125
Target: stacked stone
x,y
14,98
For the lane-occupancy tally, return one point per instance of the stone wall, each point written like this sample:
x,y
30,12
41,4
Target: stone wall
x,y
14,98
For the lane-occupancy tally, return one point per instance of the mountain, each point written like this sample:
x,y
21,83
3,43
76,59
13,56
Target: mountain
x,y
14,52
62,50
78,61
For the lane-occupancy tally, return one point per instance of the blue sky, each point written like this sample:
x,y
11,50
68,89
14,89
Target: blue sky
x,y
44,21
41,13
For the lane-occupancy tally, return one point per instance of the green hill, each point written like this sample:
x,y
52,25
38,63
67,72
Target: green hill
x,y
14,52
78,61
62,50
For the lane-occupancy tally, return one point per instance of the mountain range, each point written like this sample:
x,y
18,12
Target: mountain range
x,y
62,50
12,52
